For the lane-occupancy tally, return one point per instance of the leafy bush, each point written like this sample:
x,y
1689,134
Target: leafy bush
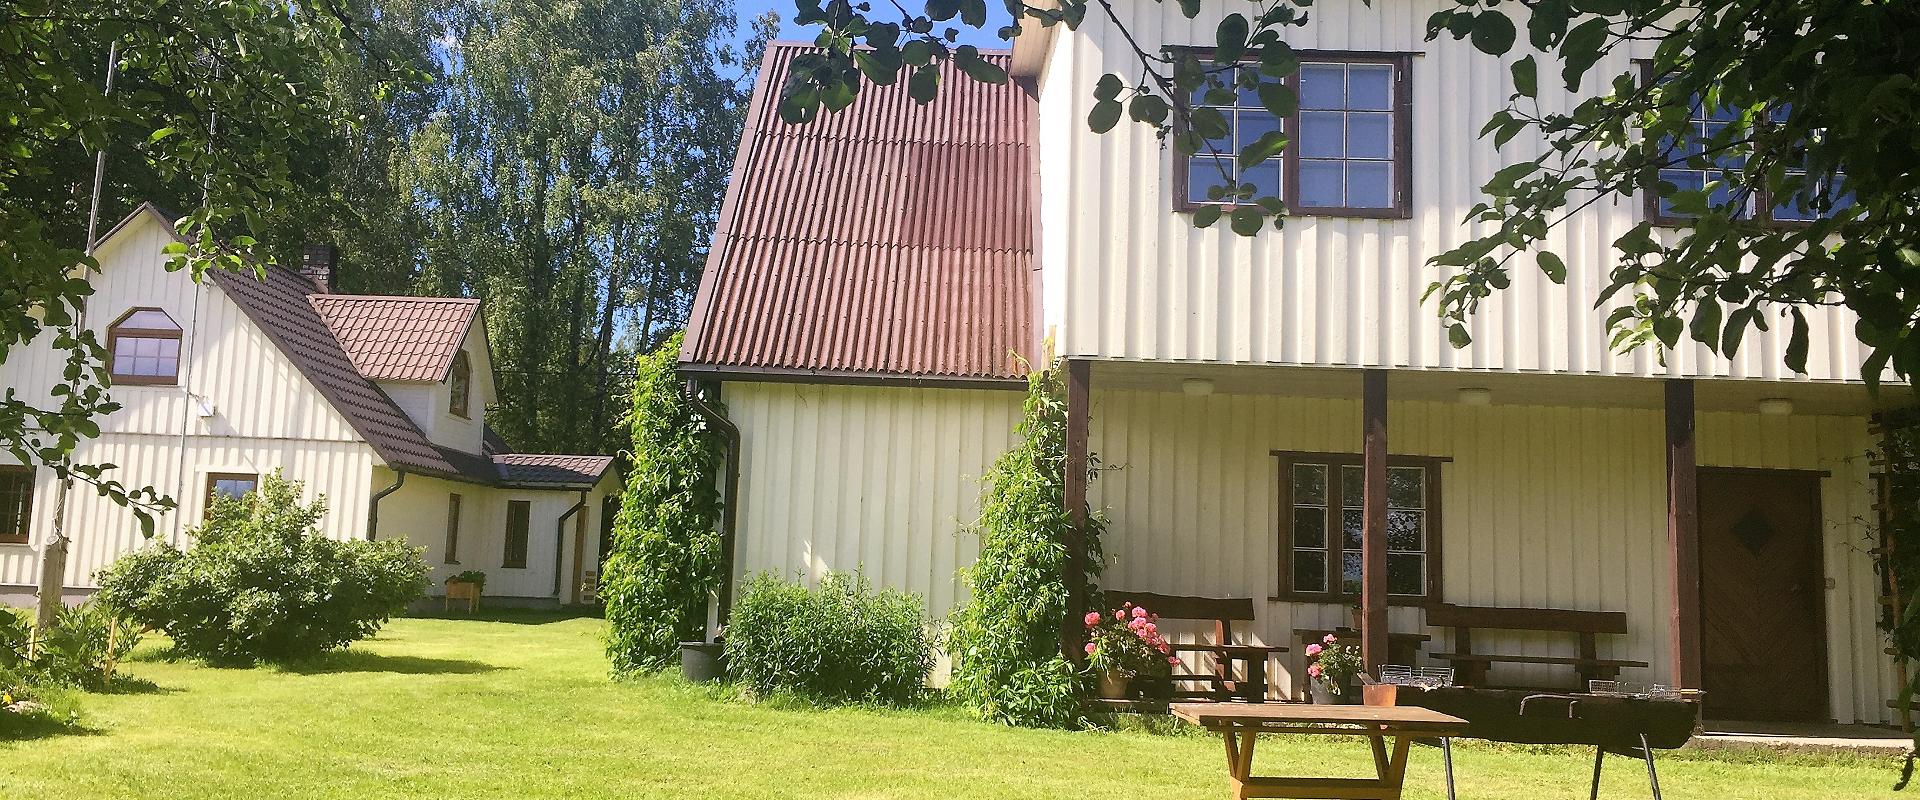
x,y
473,576
260,582
842,642
80,651
665,559
1005,642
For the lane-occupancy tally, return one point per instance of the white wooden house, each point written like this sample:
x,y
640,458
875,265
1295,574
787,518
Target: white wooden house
x,y
879,274
374,403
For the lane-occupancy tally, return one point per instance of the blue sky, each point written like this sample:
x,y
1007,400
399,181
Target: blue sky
x,y
748,9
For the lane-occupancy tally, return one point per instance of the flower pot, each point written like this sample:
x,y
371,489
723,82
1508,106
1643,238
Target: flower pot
x,y
1115,685
702,662
1323,694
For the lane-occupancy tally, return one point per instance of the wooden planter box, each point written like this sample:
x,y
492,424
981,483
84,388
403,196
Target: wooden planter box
x,y
462,590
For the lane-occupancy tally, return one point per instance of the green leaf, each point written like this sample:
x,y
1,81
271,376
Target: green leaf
x,y
1526,77
1458,337
1705,327
1230,39
160,134
1267,146
1148,108
1493,33
969,60
1108,87
1190,9
1205,216
1551,264
1247,220
1797,343
1105,115
924,84
1278,99
1667,329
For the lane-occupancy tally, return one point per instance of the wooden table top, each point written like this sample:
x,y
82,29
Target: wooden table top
x,y
1230,715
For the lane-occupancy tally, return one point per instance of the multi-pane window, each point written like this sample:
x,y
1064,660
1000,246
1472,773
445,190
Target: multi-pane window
x,y
452,555
519,517
230,485
1693,160
1325,517
460,384
1346,146
16,503
1217,161
145,344
1349,140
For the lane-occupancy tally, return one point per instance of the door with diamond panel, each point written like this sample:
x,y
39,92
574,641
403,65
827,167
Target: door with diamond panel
x,y
1763,596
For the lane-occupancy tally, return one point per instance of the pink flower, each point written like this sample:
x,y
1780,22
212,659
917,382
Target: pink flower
x,y
1091,647
1093,618
1152,628
1313,650
1120,616
1330,639
1314,670
1139,613
1172,661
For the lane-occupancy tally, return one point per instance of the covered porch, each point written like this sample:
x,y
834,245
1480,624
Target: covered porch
x,y
1728,525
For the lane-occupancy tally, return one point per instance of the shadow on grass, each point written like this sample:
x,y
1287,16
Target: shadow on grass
x,y
514,616
29,727
352,661
128,684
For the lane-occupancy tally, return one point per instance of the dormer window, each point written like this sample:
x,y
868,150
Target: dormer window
x,y
461,385
145,344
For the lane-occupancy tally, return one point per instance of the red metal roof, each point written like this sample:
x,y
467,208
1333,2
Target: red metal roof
x,y
888,240
529,469
398,338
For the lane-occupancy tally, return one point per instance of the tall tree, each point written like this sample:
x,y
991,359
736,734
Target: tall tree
x,y
570,179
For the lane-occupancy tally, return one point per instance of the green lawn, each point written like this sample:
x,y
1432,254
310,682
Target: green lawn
x,y
522,708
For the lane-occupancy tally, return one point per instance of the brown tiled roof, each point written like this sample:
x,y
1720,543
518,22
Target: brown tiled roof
x,y
398,338
890,240
529,469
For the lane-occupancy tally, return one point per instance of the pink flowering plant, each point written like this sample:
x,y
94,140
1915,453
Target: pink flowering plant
x,y
1127,640
1333,663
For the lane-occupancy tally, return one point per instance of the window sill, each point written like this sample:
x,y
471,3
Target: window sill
x,y
1335,600
1384,214
28,545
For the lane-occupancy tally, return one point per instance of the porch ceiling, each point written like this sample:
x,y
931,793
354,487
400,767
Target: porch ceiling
x,y
1508,388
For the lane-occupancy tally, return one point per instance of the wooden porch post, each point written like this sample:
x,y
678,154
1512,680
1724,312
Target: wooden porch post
x,y
1373,535
1072,626
1683,535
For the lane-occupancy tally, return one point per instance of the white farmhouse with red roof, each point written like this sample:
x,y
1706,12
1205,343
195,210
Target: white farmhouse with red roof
x,y
1278,419
375,403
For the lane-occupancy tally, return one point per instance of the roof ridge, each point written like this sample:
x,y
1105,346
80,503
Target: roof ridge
x,y
416,298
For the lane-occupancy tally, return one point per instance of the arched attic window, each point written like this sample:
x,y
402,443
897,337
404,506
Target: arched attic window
x,y
145,344
461,383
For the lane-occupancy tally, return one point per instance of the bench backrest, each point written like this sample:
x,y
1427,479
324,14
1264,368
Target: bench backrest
x,y
1526,619
1221,611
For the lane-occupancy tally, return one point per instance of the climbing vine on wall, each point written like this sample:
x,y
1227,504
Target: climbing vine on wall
x,y
1005,641
666,560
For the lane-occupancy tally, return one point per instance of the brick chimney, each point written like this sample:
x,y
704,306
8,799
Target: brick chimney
x,y
316,265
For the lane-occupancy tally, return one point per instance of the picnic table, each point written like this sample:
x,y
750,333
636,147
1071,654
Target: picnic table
x,y
1240,724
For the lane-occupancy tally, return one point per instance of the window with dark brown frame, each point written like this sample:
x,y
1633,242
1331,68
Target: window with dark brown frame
x,y
1352,140
452,556
230,485
1321,519
460,385
1701,168
519,517
145,348
16,503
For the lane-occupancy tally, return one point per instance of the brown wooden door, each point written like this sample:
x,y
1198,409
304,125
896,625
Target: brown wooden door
x,y
1763,596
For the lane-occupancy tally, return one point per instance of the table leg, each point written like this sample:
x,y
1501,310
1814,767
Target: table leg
x,y
1652,776
1446,755
1239,761
1256,689
1599,758
1380,765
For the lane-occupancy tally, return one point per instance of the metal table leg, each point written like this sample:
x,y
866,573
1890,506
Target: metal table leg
x,y
1653,777
1599,757
1446,756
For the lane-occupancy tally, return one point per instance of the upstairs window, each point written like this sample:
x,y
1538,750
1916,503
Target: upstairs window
x,y
460,384
1350,147
1697,160
1321,530
230,485
145,344
16,503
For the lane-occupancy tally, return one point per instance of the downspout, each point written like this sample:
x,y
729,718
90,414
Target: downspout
x,y
560,543
731,491
373,506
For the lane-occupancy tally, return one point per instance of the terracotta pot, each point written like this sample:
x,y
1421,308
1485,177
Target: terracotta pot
x,y
1115,685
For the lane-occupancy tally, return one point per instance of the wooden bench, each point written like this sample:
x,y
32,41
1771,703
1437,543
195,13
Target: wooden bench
x,y
1402,648
1470,668
1222,651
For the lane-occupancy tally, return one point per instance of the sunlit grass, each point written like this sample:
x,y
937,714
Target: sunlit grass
x,y
521,707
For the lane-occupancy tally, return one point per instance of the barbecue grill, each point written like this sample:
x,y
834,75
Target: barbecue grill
x,y
1627,726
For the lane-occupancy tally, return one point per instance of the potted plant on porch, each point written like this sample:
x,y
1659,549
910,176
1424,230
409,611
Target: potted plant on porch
x,y
466,586
1330,670
1123,645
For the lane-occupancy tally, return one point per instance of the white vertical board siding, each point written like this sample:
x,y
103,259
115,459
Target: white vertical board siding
x,y
883,480
1541,507
417,512
1140,282
102,531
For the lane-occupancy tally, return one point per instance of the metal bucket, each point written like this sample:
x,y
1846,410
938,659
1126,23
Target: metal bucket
x,y
702,662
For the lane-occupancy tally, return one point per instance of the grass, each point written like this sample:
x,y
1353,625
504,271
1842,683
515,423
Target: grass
x,y
520,706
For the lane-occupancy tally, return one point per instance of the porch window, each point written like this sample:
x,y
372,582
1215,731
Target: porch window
x,y
519,517
145,344
452,556
1320,545
16,503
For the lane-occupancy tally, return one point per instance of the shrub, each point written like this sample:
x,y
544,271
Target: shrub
x,y
842,642
260,582
1005,642
473,576
665,560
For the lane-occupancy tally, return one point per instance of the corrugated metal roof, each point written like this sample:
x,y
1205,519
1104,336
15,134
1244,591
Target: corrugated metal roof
x,y
398,338
887,240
